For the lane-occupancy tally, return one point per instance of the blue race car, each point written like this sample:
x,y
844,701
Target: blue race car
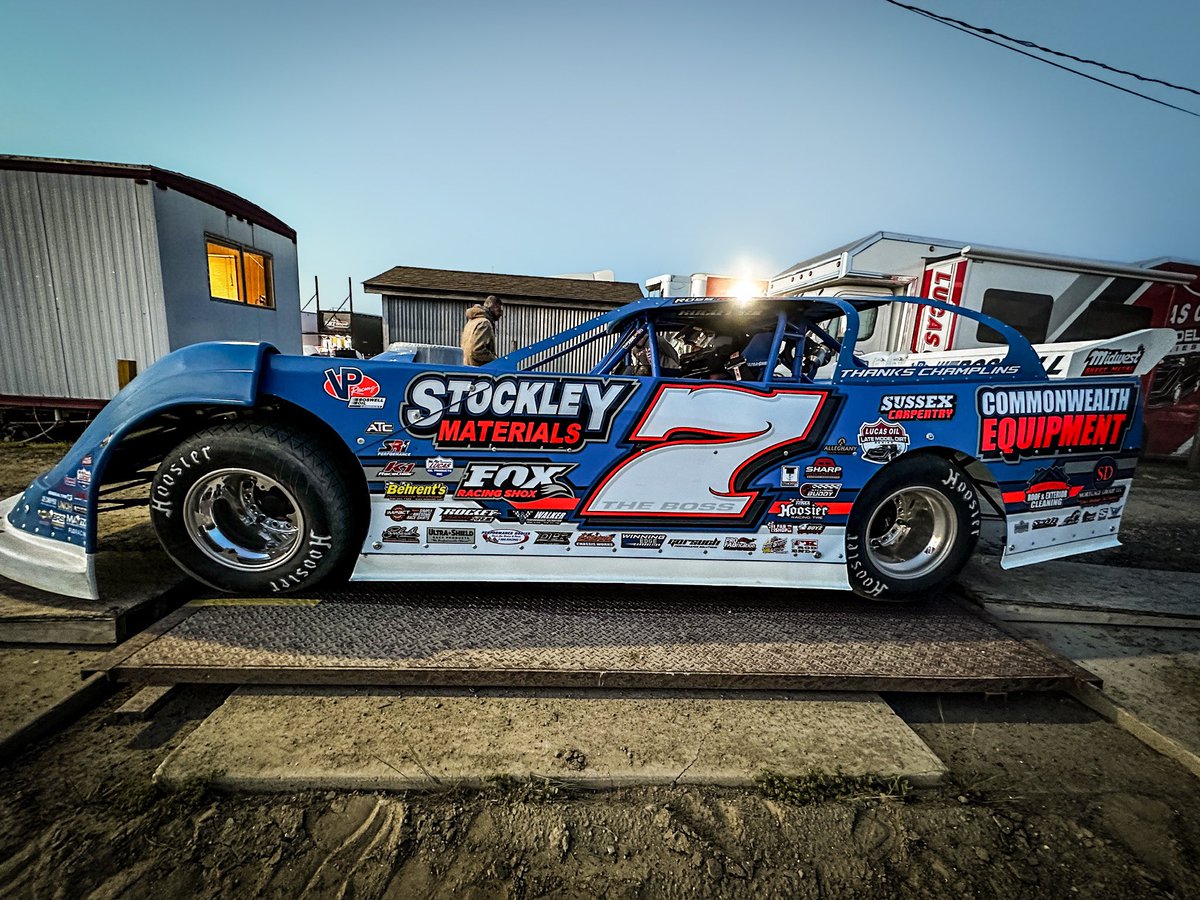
x,y
673,440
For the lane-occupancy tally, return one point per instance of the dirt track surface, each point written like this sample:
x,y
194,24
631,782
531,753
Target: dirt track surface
x,y
1044,800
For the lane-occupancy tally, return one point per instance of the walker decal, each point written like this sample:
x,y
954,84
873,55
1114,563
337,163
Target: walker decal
x,y
513,412
1022,422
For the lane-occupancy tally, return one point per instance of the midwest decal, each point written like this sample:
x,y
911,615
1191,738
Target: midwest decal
x,y
515,412
1021,422
1113,362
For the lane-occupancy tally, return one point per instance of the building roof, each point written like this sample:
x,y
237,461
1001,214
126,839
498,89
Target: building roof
x,y
411,279
200,190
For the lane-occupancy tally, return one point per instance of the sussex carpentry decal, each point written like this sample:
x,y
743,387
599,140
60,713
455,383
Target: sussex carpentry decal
x,y
905,407
514,412
1021,422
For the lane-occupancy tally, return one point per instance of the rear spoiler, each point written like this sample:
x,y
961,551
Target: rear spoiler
x,y
1135,353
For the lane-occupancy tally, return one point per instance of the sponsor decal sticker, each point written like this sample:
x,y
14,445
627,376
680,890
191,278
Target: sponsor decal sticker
x,y
378,427
450,535
556,538
1089,515
394,447
439,466
396,469
1021,422
354,388
775,545
1072,519
462,514
398,534
594,539
881,441
805,547
1048,522
516,412
1102,491
741,543
1113,362
407,490
1021,527
1049,488
541,516
907,407
506,536
83,476
779,527
521,482
638,541
401,513
789,476
820,491
823,469
841,448
694,542
796,510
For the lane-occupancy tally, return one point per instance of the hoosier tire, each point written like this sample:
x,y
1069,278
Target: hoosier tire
x,y
253,507
912,529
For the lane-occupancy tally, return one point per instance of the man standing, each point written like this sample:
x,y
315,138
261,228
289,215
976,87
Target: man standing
x,y
479,334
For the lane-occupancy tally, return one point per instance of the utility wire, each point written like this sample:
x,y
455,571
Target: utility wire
x,y
982,34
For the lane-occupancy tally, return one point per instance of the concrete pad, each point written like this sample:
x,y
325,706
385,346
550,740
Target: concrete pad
x,y
302,739
135,587
1151,679
1064,591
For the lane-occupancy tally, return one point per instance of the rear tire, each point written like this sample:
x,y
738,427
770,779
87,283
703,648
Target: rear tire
x,y
912,529
254,507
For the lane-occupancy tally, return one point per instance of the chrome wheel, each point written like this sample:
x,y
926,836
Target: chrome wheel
x,y
243,519
911,532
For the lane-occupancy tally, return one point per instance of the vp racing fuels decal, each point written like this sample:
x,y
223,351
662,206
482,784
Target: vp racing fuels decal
x,y
698,447
513,412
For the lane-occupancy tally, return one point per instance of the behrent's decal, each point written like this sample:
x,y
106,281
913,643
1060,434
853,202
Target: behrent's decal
x,y
1018,422
407,490
354,388
1113,362
516,412
906,407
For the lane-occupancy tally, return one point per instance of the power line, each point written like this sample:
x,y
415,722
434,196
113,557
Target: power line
x,y
983,34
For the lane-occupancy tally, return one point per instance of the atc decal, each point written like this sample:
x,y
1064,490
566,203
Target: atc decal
x,y
1023,422
354,388
514,412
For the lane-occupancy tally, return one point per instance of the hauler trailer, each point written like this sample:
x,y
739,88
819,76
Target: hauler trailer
x,y
1048,299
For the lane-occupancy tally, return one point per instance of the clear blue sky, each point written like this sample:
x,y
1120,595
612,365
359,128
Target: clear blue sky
x,y
550,137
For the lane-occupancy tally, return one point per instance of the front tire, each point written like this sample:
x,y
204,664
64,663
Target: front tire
x,y
253,507
912,529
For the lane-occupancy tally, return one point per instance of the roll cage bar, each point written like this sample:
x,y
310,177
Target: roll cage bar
x,y
797,319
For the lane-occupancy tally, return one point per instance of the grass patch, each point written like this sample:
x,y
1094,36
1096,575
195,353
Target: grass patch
x,y
817,787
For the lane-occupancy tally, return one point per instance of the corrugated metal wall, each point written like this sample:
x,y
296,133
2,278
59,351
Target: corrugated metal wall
x,y
80,270
423,321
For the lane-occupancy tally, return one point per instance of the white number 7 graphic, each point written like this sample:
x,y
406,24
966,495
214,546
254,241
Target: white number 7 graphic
x,y
723,430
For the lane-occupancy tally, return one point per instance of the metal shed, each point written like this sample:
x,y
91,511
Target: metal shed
x,y
428,306
107,262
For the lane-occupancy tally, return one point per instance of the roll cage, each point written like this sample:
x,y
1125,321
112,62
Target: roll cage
x,y
778,339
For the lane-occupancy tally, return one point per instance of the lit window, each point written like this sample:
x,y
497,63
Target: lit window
x,y
240,275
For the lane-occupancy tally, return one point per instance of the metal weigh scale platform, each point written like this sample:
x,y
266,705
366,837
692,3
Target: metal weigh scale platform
x,y
588,636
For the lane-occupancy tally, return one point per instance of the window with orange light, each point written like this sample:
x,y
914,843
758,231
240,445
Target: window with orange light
x,y
238,274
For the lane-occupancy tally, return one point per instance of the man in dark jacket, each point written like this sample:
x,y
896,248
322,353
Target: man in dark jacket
x,y
479,334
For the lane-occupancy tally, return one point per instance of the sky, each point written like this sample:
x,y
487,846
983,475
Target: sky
x,y
541,138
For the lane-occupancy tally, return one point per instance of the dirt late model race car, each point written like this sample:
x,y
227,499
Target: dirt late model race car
x,y
674,440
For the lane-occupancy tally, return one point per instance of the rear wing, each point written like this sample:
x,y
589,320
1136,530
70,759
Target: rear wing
x,y
1134,354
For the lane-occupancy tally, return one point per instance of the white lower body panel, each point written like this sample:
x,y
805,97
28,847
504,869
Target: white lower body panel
x,y
43,563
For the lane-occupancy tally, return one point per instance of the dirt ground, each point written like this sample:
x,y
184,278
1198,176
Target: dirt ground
x,y
1045,799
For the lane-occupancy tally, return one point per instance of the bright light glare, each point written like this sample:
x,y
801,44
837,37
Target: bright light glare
x,y
744,291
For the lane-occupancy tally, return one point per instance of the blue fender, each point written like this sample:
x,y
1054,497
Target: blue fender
x,y
61,504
